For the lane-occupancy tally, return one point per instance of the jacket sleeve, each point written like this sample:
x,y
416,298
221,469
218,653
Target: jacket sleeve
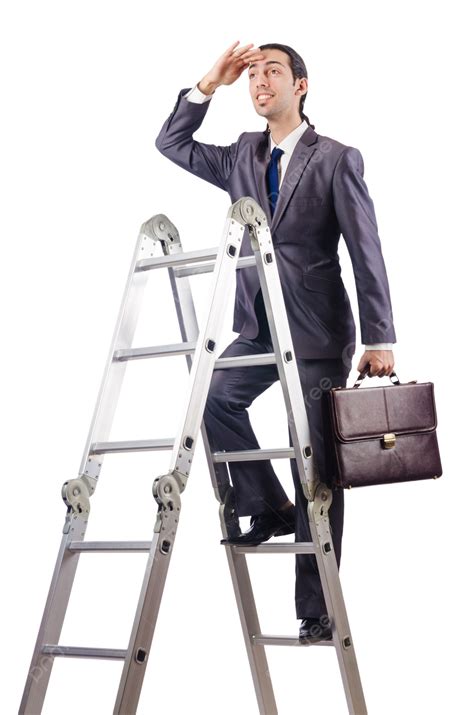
x,y
175,141
355,213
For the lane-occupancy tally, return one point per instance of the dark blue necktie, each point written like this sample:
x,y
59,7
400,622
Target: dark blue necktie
x,y
272,177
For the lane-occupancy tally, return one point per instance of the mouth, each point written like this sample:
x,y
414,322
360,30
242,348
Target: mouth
x,y
263,96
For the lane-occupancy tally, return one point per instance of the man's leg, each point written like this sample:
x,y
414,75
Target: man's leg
x,y
257,488
317,376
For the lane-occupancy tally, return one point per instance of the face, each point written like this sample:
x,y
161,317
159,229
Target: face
x,y
272,88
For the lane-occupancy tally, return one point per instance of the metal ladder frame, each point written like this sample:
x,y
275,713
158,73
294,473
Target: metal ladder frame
x,y
155,233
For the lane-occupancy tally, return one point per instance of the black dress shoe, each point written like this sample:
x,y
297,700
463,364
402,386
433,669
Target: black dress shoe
x,y
264,526
313,630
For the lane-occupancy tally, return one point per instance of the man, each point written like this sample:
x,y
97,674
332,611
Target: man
x,y
311,188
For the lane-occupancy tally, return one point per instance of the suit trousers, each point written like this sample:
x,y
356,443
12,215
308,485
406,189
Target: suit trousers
x,y
256,486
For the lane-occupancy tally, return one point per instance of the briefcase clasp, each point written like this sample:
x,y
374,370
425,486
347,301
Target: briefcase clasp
x,y
389,440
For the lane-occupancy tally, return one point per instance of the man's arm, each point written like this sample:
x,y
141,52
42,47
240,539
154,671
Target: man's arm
x,y
175,140
356,216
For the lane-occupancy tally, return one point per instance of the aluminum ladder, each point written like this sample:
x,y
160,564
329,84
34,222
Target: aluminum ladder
x,y
159,246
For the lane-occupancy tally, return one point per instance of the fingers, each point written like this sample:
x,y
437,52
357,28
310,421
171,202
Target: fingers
x,y
240,50
235,52
230,49
251,56
378,369
383,371
379,365
243,53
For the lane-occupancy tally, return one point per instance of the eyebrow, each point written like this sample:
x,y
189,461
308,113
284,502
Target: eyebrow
x,y
267,63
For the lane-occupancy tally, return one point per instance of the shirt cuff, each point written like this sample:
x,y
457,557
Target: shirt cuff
x,y
195,95
379,346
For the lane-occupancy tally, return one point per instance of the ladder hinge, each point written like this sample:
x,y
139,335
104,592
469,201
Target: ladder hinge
x,y
247,212
159,228
322,500
76,493
166,490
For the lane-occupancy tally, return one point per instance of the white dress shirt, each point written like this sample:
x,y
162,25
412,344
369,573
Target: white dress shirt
x,y
287,145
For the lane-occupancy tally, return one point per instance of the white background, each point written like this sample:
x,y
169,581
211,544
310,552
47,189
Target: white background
x,y
85,89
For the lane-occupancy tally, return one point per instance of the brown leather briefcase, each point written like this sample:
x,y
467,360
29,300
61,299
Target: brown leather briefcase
x,y
384,434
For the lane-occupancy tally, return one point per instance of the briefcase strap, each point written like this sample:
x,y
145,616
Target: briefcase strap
x,y
365,372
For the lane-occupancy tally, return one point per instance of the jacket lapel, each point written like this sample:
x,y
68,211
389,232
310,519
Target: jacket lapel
x,y
304,150
302,153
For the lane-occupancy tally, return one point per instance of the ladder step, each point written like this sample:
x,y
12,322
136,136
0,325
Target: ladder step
x,y
245,361
261,639
188,348
155,351
139,445
249,455
114,546
63,651
242,262
299,547
176,259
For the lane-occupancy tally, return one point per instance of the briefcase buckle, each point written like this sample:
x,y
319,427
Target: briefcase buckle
x,y
389,440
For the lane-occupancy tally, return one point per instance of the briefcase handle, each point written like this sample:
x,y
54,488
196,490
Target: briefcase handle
x,y
365,373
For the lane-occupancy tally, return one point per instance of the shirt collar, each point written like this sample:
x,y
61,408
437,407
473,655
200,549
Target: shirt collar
x,y
290,141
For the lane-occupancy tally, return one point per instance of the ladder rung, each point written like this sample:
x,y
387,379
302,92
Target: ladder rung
x,y
249,455
176,259
262,639
107,546
300,547
79,652
188,348
245,361
139,445
243,262
155,351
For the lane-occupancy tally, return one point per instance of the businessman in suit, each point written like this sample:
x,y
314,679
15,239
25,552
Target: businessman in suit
x,y
311,188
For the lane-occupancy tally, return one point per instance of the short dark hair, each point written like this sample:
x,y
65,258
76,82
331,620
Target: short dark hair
x,y
298,70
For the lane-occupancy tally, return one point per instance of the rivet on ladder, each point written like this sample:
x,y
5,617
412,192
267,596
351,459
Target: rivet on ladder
x,y
188,442
165,547
140,655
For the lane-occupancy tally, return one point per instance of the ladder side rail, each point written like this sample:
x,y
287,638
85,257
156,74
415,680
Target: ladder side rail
x,y
318,494
206,349
333,596
223,491
267,268
122,338
188,324
57,600
78,504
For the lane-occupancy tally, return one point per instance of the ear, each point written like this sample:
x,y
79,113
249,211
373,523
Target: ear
x,y
302,85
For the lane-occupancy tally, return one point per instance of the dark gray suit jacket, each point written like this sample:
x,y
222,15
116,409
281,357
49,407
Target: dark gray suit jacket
x,y
322,194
